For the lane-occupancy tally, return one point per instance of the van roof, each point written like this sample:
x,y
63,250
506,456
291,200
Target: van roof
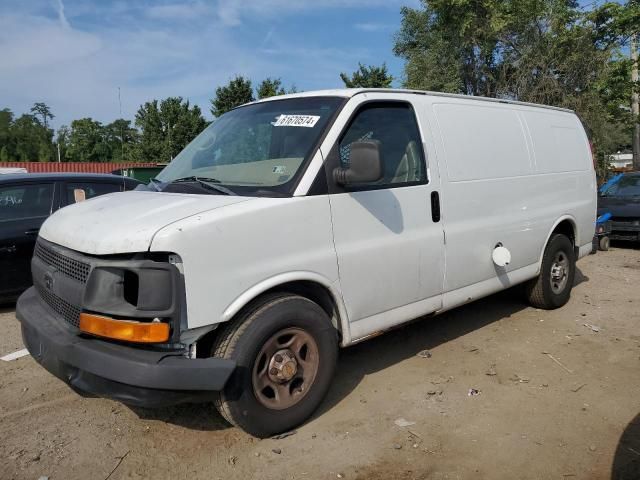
x,y
352,92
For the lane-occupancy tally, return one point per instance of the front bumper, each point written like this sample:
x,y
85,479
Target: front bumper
x,y
132,375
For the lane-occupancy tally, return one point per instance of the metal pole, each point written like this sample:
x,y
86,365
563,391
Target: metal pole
x,y
169,132
635,102
121,129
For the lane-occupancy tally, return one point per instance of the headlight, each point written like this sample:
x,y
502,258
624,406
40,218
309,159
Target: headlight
x,y
133,300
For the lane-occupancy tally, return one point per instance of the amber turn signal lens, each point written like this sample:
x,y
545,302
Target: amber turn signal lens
x,y
127,330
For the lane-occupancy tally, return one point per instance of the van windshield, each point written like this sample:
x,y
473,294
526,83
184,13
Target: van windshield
x,y
258,149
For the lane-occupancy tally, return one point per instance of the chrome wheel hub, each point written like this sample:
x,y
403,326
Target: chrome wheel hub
x,y
559,272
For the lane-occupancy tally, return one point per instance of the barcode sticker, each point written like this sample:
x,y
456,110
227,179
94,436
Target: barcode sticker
x,y
308,121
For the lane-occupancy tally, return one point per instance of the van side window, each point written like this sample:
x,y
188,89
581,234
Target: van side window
x,y
394,126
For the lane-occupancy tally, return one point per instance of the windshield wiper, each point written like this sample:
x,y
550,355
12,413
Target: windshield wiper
x,y
210,183
157,184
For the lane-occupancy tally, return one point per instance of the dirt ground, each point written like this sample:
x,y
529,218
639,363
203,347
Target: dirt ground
x,y
557,400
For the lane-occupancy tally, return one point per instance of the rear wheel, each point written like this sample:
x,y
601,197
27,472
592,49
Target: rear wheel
x,y
286,350
552,288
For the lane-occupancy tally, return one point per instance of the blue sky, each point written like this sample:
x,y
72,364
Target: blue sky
x,y
74,54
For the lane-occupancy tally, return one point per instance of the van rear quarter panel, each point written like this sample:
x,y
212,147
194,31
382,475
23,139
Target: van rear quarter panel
x,y
509,174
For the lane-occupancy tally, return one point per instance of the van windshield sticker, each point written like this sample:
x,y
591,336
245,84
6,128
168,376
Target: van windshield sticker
x,y
308,121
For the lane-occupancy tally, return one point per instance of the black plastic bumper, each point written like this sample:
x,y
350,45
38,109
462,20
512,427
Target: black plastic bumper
x,y
134,376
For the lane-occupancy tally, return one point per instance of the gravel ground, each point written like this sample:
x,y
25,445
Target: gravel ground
x,y
558,398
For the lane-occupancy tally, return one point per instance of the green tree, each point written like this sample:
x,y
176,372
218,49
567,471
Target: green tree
x,y
86,142
368,76
270,87
43,110
122,139
4,154
543,51
237,92
45,152
167,127
31,139
7,141
62,142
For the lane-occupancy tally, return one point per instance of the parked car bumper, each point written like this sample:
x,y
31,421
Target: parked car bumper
x,y
134,376
625,229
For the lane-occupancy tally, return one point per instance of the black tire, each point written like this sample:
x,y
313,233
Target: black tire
x,y
604,244
542,291
243,340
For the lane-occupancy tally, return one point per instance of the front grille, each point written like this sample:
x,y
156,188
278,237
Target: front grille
x,y
63,308
68,266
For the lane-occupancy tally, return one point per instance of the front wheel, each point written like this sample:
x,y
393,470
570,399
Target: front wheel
x,y
552,288
286,351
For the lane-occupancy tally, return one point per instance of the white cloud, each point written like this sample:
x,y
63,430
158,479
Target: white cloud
x,y
77,73
177,11
61,16
232,12
74,56
375,27
28,42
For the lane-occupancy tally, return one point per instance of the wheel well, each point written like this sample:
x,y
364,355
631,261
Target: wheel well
x,y
316,293
313,291
566,228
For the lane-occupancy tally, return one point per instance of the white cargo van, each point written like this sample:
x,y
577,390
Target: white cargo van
x,y
298,224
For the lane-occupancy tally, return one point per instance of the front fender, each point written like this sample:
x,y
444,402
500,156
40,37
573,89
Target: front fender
x,y
290,277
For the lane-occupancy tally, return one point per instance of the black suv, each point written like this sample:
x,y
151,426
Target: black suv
x,y
622,200
26,200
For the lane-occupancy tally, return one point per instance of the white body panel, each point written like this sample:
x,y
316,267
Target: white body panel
x,y
390,253
506,178
231,251
506,173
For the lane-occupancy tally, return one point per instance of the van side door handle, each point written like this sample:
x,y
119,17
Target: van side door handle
x,y
435,207
31,232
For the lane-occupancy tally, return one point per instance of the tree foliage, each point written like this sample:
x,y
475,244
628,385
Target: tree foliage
x,y
166,127
237,92
86,142
24,138
42,109
542,51
368,76
270,87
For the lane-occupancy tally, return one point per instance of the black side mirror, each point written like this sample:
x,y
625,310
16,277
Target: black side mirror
x,y
365,164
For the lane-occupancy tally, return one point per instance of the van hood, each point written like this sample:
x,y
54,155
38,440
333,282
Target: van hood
x,y
125,222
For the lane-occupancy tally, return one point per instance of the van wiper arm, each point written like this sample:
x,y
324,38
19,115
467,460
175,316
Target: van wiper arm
x,y
157,184
210,183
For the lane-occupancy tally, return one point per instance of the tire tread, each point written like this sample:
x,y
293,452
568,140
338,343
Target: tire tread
x,y
535,289
231,332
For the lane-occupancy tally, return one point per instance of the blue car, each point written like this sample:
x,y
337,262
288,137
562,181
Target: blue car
x,y
620,197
